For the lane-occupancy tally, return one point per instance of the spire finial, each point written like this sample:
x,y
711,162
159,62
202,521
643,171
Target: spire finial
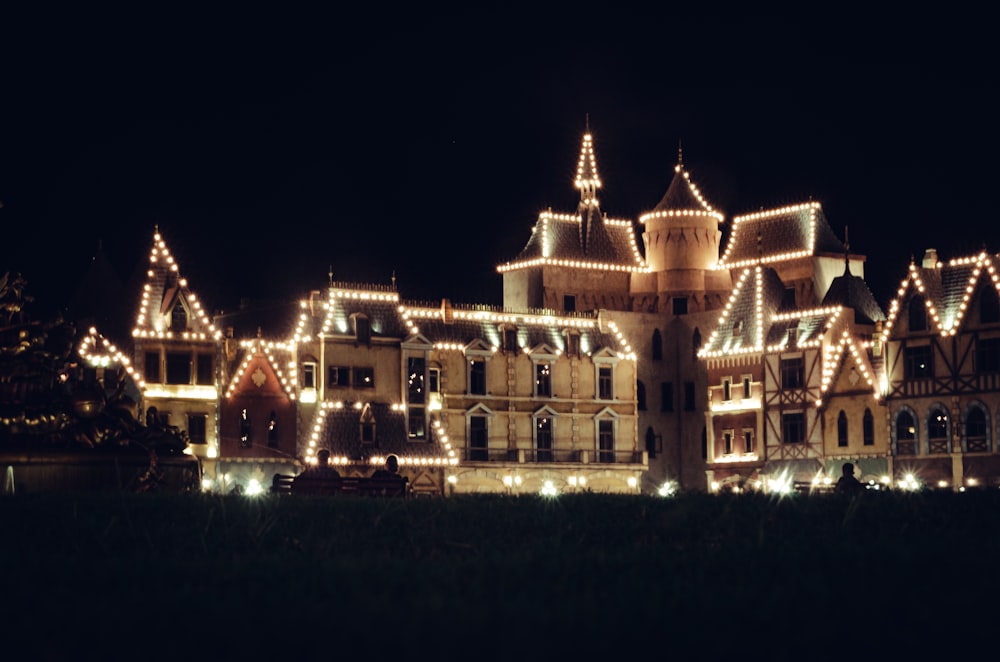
x,y
329,275
587,122
847,253
680,153
393,279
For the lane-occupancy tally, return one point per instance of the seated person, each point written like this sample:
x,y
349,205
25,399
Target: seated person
x,y
321,479
390,470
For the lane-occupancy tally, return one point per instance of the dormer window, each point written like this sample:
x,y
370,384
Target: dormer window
x,y
362,329
737,328
366,425
178,318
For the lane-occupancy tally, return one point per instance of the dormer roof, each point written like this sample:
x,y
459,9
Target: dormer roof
x,y
744,324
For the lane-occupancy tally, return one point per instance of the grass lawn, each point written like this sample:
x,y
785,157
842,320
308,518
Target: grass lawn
x,y
208,576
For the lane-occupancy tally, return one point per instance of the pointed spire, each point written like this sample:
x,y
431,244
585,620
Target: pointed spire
x,y
588,181
680,155
329,276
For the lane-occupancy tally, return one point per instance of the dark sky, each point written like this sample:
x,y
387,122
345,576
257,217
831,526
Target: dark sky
x,y
420,141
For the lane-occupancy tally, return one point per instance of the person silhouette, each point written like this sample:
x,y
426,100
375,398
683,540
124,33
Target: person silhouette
x,y
390,469
847,483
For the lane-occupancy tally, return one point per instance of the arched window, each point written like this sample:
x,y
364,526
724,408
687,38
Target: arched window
x,y
906,433
869,428
917,314
938,426
657,345
842,429
977,437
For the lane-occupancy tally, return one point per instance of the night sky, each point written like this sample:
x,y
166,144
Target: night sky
x,y
424,142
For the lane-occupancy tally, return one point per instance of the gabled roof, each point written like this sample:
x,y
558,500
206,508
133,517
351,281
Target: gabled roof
x,y
586,239
257,354
776,235
457,327
947,288
165,287
745,322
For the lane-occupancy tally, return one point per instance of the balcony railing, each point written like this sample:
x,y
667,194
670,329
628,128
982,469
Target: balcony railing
x,y
554,456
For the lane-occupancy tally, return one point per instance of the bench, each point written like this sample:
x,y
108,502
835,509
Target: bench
x,y
312,485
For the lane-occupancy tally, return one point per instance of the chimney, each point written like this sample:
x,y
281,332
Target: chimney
x,y
930,259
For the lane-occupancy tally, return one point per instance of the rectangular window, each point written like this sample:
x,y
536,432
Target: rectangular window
x,y
477,377
791,373
338,376
727,442
196,426
727,389
206,369
364,377
510,338
988,355
478,439
308,375
367,432
178,368
415,368
543,438
793,428
689,403
747,386
679,305
543,380
152,368
918,363
606,441
416,423
666,396
434,380
747,440
604,383
569,303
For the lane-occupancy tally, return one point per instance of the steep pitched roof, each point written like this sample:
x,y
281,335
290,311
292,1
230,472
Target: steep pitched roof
x,y
776,235
852,292
339,430
165,289
745,322
947,287
682,198
586,239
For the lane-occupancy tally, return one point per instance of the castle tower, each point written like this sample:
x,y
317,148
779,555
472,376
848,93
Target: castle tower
x,y
682,240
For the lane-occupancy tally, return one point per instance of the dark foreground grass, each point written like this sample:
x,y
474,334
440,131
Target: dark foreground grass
x,y
222,577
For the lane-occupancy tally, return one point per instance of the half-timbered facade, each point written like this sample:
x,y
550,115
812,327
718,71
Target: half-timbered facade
x,y
942,372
